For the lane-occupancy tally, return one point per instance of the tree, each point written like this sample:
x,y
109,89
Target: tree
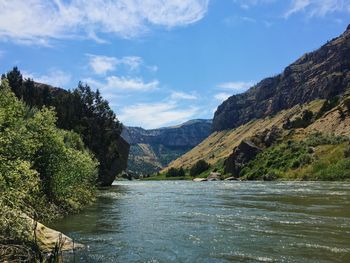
x,y
199,167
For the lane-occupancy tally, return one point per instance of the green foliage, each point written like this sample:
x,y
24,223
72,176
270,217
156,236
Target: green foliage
x,y
174,172
84,111
43,170
199,167
277,160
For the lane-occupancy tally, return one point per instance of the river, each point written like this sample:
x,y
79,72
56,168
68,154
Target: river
x,y
182,221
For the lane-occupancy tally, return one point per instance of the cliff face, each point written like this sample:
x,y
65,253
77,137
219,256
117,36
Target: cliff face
x,y
188,134
153,149
321,74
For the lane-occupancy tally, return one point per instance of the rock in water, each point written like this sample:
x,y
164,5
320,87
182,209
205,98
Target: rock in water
x,y
48,239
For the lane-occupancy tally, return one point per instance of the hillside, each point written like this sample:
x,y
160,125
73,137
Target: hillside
x,y
153,149
311,95
321,74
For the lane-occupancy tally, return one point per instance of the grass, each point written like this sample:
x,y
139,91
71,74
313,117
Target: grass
x,y
330,165
318,157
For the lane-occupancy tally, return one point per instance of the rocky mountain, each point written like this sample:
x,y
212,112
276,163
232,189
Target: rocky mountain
x,y
311,96
321,74
153,149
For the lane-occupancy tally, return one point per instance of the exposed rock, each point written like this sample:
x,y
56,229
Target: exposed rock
x,y
323,73
47,239
245,152
199,179
119,164
151,150
214,176
248,149
231,179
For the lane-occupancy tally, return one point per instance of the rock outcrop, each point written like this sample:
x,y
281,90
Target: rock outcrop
x,y
249,148
322,74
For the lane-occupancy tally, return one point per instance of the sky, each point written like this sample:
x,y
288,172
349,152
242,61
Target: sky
x,y
163,62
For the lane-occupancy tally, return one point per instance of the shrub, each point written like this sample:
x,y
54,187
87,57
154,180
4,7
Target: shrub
x,y
43,170
173,172
199,167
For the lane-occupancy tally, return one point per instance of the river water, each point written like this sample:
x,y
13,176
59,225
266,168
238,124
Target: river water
x,y
182,221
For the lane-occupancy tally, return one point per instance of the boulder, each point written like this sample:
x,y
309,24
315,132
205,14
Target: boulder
x,y
214,176
231,179
199,179
48,239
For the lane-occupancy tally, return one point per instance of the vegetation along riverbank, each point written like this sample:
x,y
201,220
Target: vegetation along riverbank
x,y
47,171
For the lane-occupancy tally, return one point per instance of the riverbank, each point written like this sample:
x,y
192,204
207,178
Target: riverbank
x,y
45,173
316,157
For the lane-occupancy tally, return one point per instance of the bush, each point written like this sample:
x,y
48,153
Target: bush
x,y
173,172
199,167
290,155
44,171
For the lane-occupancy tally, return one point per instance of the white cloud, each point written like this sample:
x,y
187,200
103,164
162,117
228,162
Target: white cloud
x,y
318,7
236,87
247,4
104,64
39,21
56,78
115,83
155,115
177,95
222,96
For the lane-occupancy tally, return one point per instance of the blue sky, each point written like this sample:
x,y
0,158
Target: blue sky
x,y
160,62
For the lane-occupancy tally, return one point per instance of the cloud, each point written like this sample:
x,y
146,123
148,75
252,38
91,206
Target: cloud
x,y
247,4
176,95
222,96
103,64
318,7
56,78
40,21
115,83
236,87
155,115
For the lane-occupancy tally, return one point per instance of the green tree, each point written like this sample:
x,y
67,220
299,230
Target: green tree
x,y
199,167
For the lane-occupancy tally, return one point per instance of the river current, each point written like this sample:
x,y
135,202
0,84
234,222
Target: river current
x,y
183,221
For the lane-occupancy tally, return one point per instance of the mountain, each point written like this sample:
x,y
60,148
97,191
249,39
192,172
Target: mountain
x,y
311,96
153,149
321,74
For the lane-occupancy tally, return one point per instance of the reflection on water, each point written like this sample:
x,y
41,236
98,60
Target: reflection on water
x,y
215,222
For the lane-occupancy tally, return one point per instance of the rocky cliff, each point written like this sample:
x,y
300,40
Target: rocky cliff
x,y
321,74
151,150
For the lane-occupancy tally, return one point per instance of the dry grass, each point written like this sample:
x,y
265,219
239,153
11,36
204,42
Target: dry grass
x,y
220,145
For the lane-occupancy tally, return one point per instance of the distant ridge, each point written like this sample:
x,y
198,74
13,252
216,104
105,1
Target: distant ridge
x,y
153,149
